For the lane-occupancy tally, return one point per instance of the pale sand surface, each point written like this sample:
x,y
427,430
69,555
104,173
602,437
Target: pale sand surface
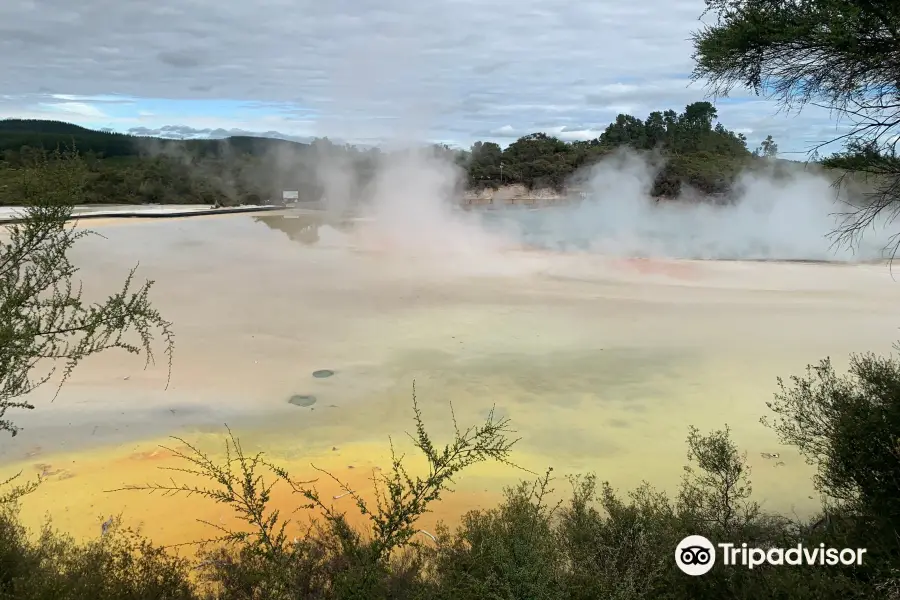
x,y
9,212
602,364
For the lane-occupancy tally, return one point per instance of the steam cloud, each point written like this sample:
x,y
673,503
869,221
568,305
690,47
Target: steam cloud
x,y
789,217
410,209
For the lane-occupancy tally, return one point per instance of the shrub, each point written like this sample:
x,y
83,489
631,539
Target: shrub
x,y
119,565
334,560
506,552
849,428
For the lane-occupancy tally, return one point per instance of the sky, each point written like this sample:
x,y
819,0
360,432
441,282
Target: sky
x,y
363,71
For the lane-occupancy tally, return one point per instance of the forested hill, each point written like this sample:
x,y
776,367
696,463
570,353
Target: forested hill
x,y
695,149
18,133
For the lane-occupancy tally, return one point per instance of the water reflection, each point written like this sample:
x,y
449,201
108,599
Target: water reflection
x,y
303,227
299,228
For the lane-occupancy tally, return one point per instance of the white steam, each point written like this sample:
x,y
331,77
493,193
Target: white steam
x,y
411,210
789,217
411,213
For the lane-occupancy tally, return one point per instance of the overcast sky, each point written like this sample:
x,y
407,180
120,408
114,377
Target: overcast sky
x,y
360,70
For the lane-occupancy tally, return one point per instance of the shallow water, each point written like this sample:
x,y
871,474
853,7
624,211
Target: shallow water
x,y
602,364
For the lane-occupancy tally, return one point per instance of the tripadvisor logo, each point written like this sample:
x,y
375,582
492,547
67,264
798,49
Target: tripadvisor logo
x,y
696,555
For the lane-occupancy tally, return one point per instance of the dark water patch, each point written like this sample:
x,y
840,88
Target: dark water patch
x,y
303,227
323,373
304,401
299,228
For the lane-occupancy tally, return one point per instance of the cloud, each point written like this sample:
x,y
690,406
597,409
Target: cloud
x,y
446,69
187,132
508,133
181,60
74,110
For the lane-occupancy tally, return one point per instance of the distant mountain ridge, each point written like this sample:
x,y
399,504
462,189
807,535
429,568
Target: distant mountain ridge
x,y
16,133
41,126
186,132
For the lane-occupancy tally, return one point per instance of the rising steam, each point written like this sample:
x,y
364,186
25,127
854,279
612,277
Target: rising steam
x,y
791,216
411,209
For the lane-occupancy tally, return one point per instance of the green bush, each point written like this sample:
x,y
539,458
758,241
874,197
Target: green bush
x,y
119,565
849,428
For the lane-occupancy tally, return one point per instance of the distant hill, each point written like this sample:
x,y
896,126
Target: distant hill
x,y
16,133
42,127
122,168
34,133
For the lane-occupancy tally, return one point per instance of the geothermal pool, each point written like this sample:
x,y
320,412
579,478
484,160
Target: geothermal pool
x,y
602,362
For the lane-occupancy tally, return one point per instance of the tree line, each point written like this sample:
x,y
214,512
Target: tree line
x,y
693,147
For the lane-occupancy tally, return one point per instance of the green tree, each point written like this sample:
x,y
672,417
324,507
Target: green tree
x,y
767,148
843,55
625,131
485,159
655,129
699,116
